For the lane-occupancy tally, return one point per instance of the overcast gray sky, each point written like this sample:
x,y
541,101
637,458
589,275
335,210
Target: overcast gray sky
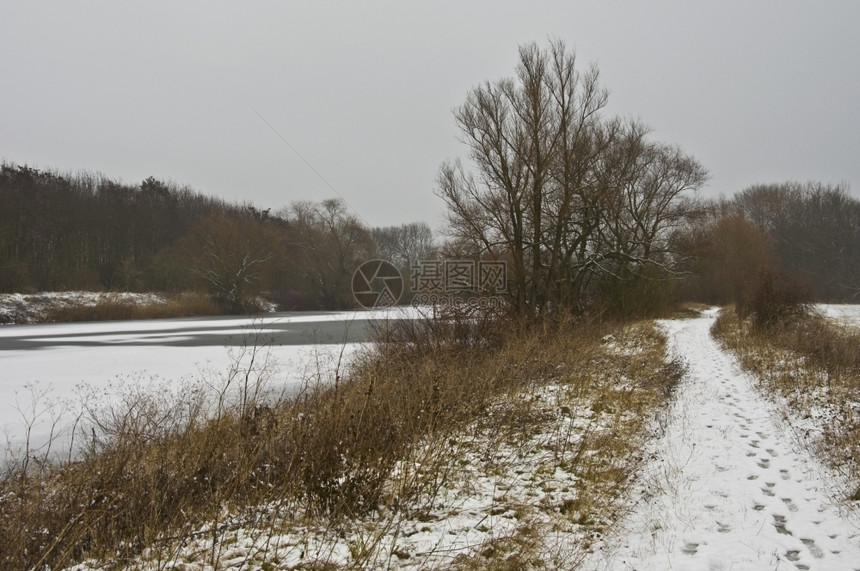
x,y
757,91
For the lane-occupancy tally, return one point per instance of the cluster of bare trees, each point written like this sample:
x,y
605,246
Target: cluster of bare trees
x,y
326,244
805,234
581,206
85,231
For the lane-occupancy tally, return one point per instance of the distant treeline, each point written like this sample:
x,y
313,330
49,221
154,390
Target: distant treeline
x,y
87,232
797,235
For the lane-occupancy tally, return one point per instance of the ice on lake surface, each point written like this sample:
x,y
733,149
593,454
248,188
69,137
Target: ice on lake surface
x,y
60,363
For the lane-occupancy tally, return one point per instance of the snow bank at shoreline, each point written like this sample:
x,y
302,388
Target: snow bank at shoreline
x,y
847,314
32,307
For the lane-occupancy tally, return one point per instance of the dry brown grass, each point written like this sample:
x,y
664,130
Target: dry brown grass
x,y
113,308
687,310
814,365
630,386
583,426
158,473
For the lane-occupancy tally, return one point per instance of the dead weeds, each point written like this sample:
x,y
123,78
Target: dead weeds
x,y
813,365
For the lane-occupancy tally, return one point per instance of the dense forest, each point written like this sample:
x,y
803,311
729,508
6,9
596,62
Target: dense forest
x,y
87,232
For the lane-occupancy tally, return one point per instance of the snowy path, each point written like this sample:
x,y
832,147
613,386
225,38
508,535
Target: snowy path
x,y
726,488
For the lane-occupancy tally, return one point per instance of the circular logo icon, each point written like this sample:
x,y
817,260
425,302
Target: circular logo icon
x,y
377,283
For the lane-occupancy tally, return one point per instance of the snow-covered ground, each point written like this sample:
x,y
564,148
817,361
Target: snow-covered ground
x,y
31,307
727,487
844,313
495,487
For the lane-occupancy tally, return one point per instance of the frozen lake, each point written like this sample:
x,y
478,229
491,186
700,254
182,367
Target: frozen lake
x,y
46,370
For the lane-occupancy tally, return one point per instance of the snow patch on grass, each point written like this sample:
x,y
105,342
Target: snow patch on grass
x,y
846,314
514,499
32,308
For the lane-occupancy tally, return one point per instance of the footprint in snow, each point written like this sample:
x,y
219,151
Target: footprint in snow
x,y
784,474
690,548
764,463
792,507
779,524
813,549
794,555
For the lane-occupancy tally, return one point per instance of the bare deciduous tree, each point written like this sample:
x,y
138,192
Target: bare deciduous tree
x,y
813,230
405,244
563,194
329,244
229,256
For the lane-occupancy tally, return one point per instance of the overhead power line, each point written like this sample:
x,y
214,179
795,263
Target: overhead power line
x,y
316,172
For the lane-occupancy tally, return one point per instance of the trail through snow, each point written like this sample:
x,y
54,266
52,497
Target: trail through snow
x,y
727,487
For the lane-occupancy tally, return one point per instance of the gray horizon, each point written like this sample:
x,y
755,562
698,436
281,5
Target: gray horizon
x,y
269,103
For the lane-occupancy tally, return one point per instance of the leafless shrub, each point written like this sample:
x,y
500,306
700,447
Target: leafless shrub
x,y
776,298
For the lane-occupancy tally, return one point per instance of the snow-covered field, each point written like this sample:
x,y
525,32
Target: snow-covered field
x,y
48,370
844,313
727,487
